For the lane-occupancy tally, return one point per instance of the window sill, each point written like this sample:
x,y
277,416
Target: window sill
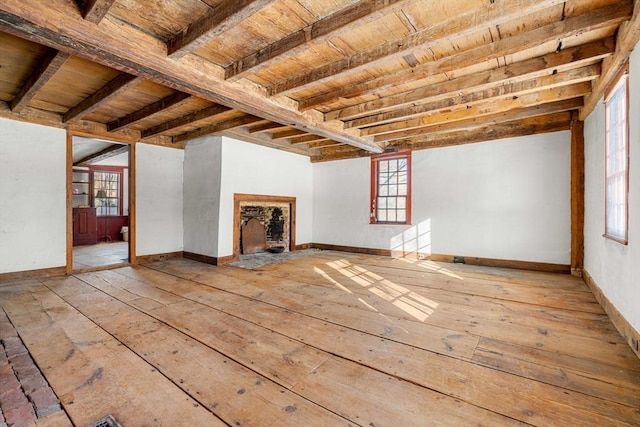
x,y
616,239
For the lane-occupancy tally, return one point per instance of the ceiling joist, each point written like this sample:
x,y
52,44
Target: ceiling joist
x,y
94,10
147,111
219,19
216,128
185,120
49,65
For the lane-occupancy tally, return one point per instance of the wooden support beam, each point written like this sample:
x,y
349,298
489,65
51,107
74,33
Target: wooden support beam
x,y
288,134
628,36
149,110
112,150
507,92
120,84
224,16
94,10
469,22
136,52
556,62
600,18
49,65
319,32
268,126
215,128
577,195
483,120
205,113
307,139
416,126
529,126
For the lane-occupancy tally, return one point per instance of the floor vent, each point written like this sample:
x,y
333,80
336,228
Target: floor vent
x,y
107,421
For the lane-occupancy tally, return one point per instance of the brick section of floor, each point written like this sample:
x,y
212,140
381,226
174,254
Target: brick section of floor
x,y
25,395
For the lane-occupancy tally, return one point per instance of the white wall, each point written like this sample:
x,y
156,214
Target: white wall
x,y
202,176
505,199
32,196
253,169
613,266
159,199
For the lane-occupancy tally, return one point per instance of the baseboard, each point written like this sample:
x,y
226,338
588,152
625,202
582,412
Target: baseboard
x,y
353,249
503,263
33,274
485,262
143,259
622,325
208,259
303,247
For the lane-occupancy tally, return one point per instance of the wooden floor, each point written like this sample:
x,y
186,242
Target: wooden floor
x,y
330,339
100,255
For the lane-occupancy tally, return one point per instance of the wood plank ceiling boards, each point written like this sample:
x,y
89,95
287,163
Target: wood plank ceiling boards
x,y
328,80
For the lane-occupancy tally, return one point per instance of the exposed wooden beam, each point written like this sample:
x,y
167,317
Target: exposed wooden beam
x,y
265,127
288,134
490,107
112,150
49,65
493,14
306,139
577,195
320,31
528,126
115,87
94,10
215,128
484,120
555,62
185,120
506,91
219,19
149,110
55,24
628,36
600,18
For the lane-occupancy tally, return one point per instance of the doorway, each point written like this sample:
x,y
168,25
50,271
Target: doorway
x,y
100,203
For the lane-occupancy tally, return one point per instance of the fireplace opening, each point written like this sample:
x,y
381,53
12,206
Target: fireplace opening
x,y
263,224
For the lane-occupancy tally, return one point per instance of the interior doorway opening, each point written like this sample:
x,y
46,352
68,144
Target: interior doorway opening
x,y
100,203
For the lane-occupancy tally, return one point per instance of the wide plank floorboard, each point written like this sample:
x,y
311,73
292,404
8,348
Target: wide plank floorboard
x,y
330,339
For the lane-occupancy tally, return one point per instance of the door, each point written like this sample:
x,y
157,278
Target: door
x,y
85,231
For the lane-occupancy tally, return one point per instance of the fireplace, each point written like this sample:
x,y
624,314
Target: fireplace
x,y
275,213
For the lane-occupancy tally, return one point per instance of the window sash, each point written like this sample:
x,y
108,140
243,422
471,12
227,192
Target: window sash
x,y
390,189
109,203
617,160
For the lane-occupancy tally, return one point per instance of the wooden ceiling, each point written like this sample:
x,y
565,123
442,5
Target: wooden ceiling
x,y
330,79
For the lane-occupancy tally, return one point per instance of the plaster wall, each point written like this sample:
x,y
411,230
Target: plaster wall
x,y
252,169
506,199
614,267
159,199
32,196
202,176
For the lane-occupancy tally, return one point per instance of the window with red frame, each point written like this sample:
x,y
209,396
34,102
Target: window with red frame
x,y
391,189
617,158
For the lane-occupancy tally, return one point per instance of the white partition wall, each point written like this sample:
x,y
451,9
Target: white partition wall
x,y
159,199
202,175
252,169
33,219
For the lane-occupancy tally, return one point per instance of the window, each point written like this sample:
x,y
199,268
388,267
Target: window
x,y
391,189
617,158
106,193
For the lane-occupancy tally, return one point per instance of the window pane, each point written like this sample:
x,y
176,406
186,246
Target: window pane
x,y
391,216
616,161
382,215
382,202
402,216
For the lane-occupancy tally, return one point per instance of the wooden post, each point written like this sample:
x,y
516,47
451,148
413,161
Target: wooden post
x,y
577,195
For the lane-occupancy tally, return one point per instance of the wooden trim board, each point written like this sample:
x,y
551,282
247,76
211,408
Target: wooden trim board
x,y
142,259
622,325
206,259
33,274
486,262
